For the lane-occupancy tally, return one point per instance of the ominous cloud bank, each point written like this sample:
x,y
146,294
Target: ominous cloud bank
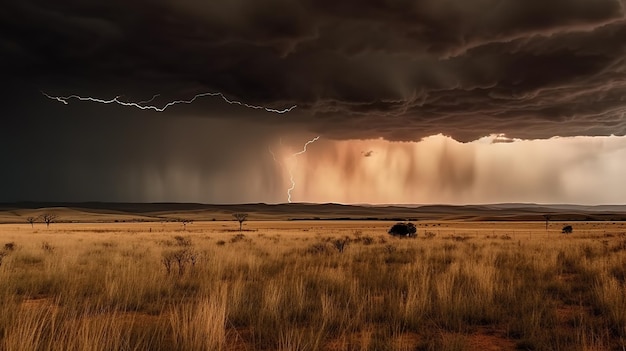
x,y
361,72
399,69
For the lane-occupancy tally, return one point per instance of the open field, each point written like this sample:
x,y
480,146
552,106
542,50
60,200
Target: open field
x,y
312,285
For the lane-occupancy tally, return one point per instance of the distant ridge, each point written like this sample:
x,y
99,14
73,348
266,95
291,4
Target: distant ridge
x,y
112,212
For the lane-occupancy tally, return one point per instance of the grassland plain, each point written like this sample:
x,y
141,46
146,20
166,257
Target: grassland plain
x,y
312,285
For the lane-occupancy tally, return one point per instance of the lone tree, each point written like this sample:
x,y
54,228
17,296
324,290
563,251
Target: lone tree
x,y
185,222
240,217
547,217
32,221
567,229
48,218
403,229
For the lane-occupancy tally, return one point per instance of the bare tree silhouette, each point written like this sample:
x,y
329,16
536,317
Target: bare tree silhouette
x,y
547,217
48,218
240,217
32,221
185,222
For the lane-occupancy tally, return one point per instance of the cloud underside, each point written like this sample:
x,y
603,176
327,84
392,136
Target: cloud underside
x,y
400,70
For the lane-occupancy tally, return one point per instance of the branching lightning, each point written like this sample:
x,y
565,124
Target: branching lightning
x,y
143,104
293,161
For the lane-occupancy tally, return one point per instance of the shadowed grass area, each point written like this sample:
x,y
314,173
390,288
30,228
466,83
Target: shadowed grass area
x,y
306,288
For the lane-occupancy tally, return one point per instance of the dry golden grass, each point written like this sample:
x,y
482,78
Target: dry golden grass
x,y
286,286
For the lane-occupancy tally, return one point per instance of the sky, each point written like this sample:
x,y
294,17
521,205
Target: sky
x,y
401,102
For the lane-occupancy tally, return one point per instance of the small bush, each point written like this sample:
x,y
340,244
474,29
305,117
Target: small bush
x,y
403,229
9,246
180,258
567,229
221,243
341,244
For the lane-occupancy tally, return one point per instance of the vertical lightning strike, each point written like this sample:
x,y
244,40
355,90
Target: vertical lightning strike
x,y
292,164
142,104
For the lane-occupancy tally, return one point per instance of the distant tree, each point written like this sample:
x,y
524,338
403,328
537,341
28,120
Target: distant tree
x,y
48,218
403,229
185,222
240,217
567,229
32,221
547,218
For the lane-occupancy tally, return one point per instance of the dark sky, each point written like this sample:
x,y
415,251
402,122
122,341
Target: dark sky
x,y
397,70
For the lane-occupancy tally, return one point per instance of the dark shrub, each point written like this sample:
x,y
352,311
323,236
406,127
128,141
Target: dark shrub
x,y
341,244
403,229
567,229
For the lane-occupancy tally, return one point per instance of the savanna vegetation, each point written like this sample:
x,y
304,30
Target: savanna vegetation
x,y
311,286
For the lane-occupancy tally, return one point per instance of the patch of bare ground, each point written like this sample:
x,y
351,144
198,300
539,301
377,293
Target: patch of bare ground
x,y
484,338
365,340
489,339
406,341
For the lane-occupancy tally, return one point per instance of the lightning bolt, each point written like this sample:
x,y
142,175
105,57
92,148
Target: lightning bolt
x,y
295,161
143,104
292,164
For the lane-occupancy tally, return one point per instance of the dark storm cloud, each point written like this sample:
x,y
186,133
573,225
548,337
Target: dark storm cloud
x,y
357,69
